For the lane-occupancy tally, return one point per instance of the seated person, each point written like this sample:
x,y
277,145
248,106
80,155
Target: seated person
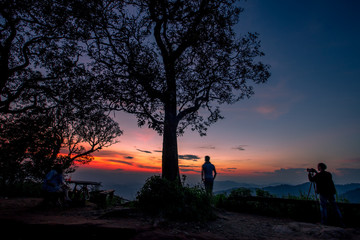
x,y
54,185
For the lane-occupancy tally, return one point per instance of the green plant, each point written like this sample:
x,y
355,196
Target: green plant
x,y
219,200
341,199
262,193
22,189
170,199
240,192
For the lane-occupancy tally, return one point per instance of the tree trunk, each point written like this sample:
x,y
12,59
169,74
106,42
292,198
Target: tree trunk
x,y
170,165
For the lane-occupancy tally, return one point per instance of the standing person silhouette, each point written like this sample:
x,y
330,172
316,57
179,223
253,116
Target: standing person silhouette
x,y
207,175
326,189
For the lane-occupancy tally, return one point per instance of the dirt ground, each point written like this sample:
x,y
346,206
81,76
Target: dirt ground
x,y
25,218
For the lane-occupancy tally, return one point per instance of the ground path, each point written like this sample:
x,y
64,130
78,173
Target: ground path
x,y
22,218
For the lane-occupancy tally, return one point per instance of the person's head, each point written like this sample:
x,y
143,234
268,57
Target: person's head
x,y
321,167
207,159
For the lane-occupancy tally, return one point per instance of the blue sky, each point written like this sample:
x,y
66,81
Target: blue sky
x,y
308,112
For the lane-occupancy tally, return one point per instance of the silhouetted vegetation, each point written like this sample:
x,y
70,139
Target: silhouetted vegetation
x,y
40,50
66,64
298,208
31,143
50,107
169,199
164,61
22,189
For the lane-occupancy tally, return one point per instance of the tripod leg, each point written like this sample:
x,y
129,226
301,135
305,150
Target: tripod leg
x,y
309,190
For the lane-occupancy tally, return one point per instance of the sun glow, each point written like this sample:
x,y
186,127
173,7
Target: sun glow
x,y
145,162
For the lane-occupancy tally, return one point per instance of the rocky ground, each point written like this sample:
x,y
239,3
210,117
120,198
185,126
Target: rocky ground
x,y
25,218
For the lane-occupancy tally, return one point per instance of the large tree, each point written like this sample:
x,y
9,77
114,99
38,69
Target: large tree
x,y
172,63
48,100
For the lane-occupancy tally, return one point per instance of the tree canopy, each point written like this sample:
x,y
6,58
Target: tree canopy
x,y
49,107
172,63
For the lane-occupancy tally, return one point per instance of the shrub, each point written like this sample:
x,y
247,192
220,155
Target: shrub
x,y
240,192
219,200
172,200
21,189
262,193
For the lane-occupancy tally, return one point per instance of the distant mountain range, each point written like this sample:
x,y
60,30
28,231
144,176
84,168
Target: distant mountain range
x,y
353,195
350,192
126,191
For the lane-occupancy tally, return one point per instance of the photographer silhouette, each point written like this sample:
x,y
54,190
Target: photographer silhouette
x,y
326,189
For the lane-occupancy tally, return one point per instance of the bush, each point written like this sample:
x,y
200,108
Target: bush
x,y
240,192
23,189
172,200
263,193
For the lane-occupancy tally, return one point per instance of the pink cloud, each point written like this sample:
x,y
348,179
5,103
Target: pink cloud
x,y
271,112
277,100
265,110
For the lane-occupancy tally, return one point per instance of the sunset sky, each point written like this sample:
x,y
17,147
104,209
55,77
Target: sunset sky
x,y
308,112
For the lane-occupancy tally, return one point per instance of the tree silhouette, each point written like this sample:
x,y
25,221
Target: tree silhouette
x,y
39,47
32,143
173,63
49,107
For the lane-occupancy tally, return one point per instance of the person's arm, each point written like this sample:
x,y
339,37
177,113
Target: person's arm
x,y
215,173
202,173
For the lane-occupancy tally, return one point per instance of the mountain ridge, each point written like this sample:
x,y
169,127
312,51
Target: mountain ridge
x,y
350,191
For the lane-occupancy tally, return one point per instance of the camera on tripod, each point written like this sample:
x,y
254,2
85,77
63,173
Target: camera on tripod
x,y
311,172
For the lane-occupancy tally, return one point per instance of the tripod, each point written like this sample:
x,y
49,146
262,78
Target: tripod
x,y
311,184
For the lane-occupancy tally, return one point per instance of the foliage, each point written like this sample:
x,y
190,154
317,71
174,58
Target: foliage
x,y
32,143
299,208
302,196
39,53
240,192
23,189
169,199
51,110
262,193
219,199
172,63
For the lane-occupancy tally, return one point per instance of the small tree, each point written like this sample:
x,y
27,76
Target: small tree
x,y
30,145
172,63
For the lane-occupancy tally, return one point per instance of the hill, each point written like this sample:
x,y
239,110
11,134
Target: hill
x,y
350,192
347,191
224,185
353,195
285,190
